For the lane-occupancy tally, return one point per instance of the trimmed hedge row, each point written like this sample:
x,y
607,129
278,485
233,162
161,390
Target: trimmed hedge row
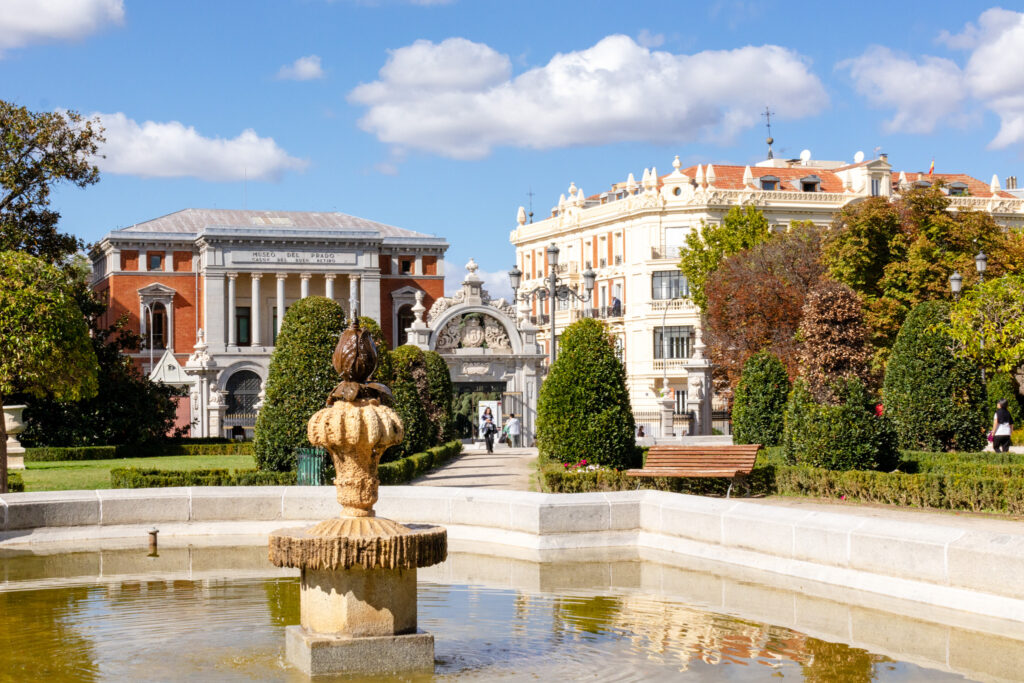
x,y
54,454
15,484
134,478
950,491
407,469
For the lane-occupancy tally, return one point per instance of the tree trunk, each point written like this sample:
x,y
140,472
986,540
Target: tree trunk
x,y
3,448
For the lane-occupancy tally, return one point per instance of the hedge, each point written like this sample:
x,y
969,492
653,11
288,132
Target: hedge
x,y
408,468
950,491
53,454
15,484
134,478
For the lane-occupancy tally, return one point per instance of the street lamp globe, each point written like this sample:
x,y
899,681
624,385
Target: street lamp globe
x,y
956,282
589,276
552,255
981,262
515,277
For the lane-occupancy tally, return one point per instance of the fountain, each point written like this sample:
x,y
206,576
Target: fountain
x,y
358,571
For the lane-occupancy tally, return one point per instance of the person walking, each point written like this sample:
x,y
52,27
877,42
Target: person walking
x,y
1002,427
514,430
489,429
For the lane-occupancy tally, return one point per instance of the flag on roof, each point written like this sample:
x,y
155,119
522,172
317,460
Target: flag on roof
x,y
931,169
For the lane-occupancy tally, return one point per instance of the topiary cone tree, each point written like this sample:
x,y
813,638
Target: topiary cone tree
x,y
583,410
44,339
936,400
301,376
410,390
760,400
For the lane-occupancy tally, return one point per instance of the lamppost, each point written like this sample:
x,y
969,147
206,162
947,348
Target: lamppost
x,y
552,291
981,263
956,283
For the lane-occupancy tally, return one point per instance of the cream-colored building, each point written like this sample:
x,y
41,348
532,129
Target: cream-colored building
x,y
631,235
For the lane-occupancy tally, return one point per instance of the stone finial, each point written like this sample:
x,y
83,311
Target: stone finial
x,y
631,183
471,268
748,177
653,180
521,216
994,186
561,201
646,178
710,176
572,189
676,164
699,177
580,197
419,309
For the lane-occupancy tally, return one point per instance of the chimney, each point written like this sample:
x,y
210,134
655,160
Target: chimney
x,y
884,156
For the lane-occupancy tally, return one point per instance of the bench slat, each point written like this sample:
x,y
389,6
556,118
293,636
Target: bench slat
x,y
698,461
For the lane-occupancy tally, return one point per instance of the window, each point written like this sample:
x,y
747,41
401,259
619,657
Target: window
x,y
958,189
769,182
672,342
405,266
155,261
669,284
810,183
680,406
876,187
675,239
243,325
158,331
405,320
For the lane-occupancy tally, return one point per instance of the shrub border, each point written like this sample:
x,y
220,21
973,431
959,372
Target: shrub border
x,y
80,453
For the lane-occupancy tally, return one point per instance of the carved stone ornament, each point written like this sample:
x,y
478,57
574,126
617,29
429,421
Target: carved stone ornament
x,y
468,369
472,334
217,398
448,337
495,335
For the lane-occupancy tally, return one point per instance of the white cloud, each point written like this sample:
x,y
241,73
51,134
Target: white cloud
x,y
459,99
171,149
23,22
928,90
496,283
302,69
924,92
648,39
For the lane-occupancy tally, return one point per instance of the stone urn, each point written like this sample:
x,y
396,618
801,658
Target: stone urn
x,y
357,595
14,424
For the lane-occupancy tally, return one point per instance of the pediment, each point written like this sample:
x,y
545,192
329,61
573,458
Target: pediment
x,y
169,371
406,292
156,289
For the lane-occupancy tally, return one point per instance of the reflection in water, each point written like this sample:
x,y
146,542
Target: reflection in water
x,y
234,630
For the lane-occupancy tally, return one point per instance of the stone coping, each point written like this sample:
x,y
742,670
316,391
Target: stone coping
x,y
944,565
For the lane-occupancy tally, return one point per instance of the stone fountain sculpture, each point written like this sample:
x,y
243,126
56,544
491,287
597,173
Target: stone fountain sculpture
x,y
358,585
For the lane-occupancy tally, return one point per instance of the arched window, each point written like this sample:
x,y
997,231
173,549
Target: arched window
x,y
405,319
159,329
243,389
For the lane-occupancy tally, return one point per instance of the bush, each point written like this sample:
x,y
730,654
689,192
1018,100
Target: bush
x,y
439,391
847,436
301,377
1004,385
583,411
935,400
406,469
409,388
834,340
155,450
760,401
384,373
52,454
15,484
133,478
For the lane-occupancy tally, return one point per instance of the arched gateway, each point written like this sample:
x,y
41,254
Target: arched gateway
x,y
488,347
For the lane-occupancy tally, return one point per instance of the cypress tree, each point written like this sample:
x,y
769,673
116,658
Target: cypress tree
x,y
760,400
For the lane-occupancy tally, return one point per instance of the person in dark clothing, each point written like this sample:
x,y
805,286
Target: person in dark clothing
x,y
489,429
1002,427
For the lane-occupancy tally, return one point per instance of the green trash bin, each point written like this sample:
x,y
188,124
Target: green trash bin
x,y
311,463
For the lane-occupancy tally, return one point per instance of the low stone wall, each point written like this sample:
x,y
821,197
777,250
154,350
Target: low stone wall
x,y
937,563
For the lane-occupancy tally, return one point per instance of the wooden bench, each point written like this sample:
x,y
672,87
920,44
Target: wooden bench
x,y
726,462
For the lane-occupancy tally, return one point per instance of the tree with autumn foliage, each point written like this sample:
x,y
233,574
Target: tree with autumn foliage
x,y
741,228
755,301
897,254
834,343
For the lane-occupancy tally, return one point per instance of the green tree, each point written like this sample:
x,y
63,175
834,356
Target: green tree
x,y
583,411
896,255
410,387
987,324
38,151
300,379
760,400
439,393
843,435
935,399
384,373
128,408
44,339
1003,385
741,228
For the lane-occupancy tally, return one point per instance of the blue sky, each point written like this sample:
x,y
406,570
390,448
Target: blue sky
x,y
440,116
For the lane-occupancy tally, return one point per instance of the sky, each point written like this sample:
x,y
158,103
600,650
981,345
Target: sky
x,y
442,116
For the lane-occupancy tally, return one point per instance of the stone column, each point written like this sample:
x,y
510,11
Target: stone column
x,y
329,286
232,341
666,404
254,314
169,341
353,296
280,300
143,261
418,265
143,319
215,311
305,284
369,295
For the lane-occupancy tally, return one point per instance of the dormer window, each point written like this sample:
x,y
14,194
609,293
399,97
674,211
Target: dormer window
x,y
922,183
958,189
769,182
811,183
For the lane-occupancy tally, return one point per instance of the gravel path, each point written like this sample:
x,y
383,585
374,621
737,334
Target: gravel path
x,y
507,468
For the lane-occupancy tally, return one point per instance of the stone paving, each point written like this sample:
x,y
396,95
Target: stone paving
x,y
507,468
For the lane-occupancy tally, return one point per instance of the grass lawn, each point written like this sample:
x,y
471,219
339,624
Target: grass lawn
x,y
95,474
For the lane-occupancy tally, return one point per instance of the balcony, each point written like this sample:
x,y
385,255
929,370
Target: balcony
x,y
670,365
673,305
602,263
541,319
665,253
600,313
618,260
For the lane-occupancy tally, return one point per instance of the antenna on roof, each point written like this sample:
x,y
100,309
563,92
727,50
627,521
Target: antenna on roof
x,y
768,124
530,195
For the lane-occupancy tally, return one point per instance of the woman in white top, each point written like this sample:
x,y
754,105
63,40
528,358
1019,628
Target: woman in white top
x,y
1002,427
